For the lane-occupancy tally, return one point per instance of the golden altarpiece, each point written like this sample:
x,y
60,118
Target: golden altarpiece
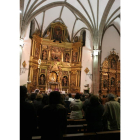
x,y
110,75
55,63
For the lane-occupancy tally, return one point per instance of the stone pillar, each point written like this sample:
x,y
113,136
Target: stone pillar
x,y
96,72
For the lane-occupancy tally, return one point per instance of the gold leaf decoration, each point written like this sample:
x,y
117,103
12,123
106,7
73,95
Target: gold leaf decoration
x,y
86,70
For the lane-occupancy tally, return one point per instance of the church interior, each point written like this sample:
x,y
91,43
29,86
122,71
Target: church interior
x,y
71,46
75,42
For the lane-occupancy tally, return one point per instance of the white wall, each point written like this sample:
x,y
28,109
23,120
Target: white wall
x,y
25,57
111,40
86,63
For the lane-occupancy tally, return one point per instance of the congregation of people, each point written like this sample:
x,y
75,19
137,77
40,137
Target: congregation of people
x,y
50,112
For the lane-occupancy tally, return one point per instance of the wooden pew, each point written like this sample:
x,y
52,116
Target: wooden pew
x,y
108,135
71,129
76,122
80,136
104,135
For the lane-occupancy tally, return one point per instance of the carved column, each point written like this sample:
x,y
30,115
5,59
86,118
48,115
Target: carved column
x,y
71,56
62,56
40,52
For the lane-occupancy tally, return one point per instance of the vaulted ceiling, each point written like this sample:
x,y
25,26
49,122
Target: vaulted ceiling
x,y
96,16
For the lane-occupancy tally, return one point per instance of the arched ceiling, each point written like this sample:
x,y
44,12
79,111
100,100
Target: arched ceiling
x,y
95,15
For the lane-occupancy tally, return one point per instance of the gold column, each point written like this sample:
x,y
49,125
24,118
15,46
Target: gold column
x,y
49,55
69,79
76,78
40,51
31,74
34,47
62,57
71,57
38,76
80,54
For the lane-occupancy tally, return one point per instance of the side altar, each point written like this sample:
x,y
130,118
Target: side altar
x,y
54,61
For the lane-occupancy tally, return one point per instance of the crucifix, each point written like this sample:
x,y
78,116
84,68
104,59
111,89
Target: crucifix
x,y
113,50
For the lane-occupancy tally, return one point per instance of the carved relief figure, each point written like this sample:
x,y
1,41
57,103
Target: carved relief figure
x,y
74,57
44,55
55,67
67,57
56,54
65,81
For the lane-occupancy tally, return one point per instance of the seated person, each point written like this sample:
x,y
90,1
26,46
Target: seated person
x,y
94,114
76,108
53,118
28,120
70,97
67,104
111,114
38,103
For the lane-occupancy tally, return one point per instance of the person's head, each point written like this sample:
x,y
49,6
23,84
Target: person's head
x,y
110,97
67,98
77,96
54,97
69,95
45,99
33,96
39,96
23,93
94,100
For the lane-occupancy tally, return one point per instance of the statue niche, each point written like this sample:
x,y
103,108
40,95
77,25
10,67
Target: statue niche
x,y
67,57
65,81
44,55
42,79
57,34
53,77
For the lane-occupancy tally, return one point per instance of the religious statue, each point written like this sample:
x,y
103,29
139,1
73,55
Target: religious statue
x,y
44,55
74,57
37,52
113,62
105,85
57,34
67,57
42,79
112,81
64,81
52,77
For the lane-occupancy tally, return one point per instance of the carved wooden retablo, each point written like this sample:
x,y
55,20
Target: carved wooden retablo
x,y
60,65
110,75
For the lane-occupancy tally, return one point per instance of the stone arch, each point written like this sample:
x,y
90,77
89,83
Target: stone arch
x,y
51,5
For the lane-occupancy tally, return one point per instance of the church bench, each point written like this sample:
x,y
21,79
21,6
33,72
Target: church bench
x,y
108,135
76,122
75,129
104,135
80,136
